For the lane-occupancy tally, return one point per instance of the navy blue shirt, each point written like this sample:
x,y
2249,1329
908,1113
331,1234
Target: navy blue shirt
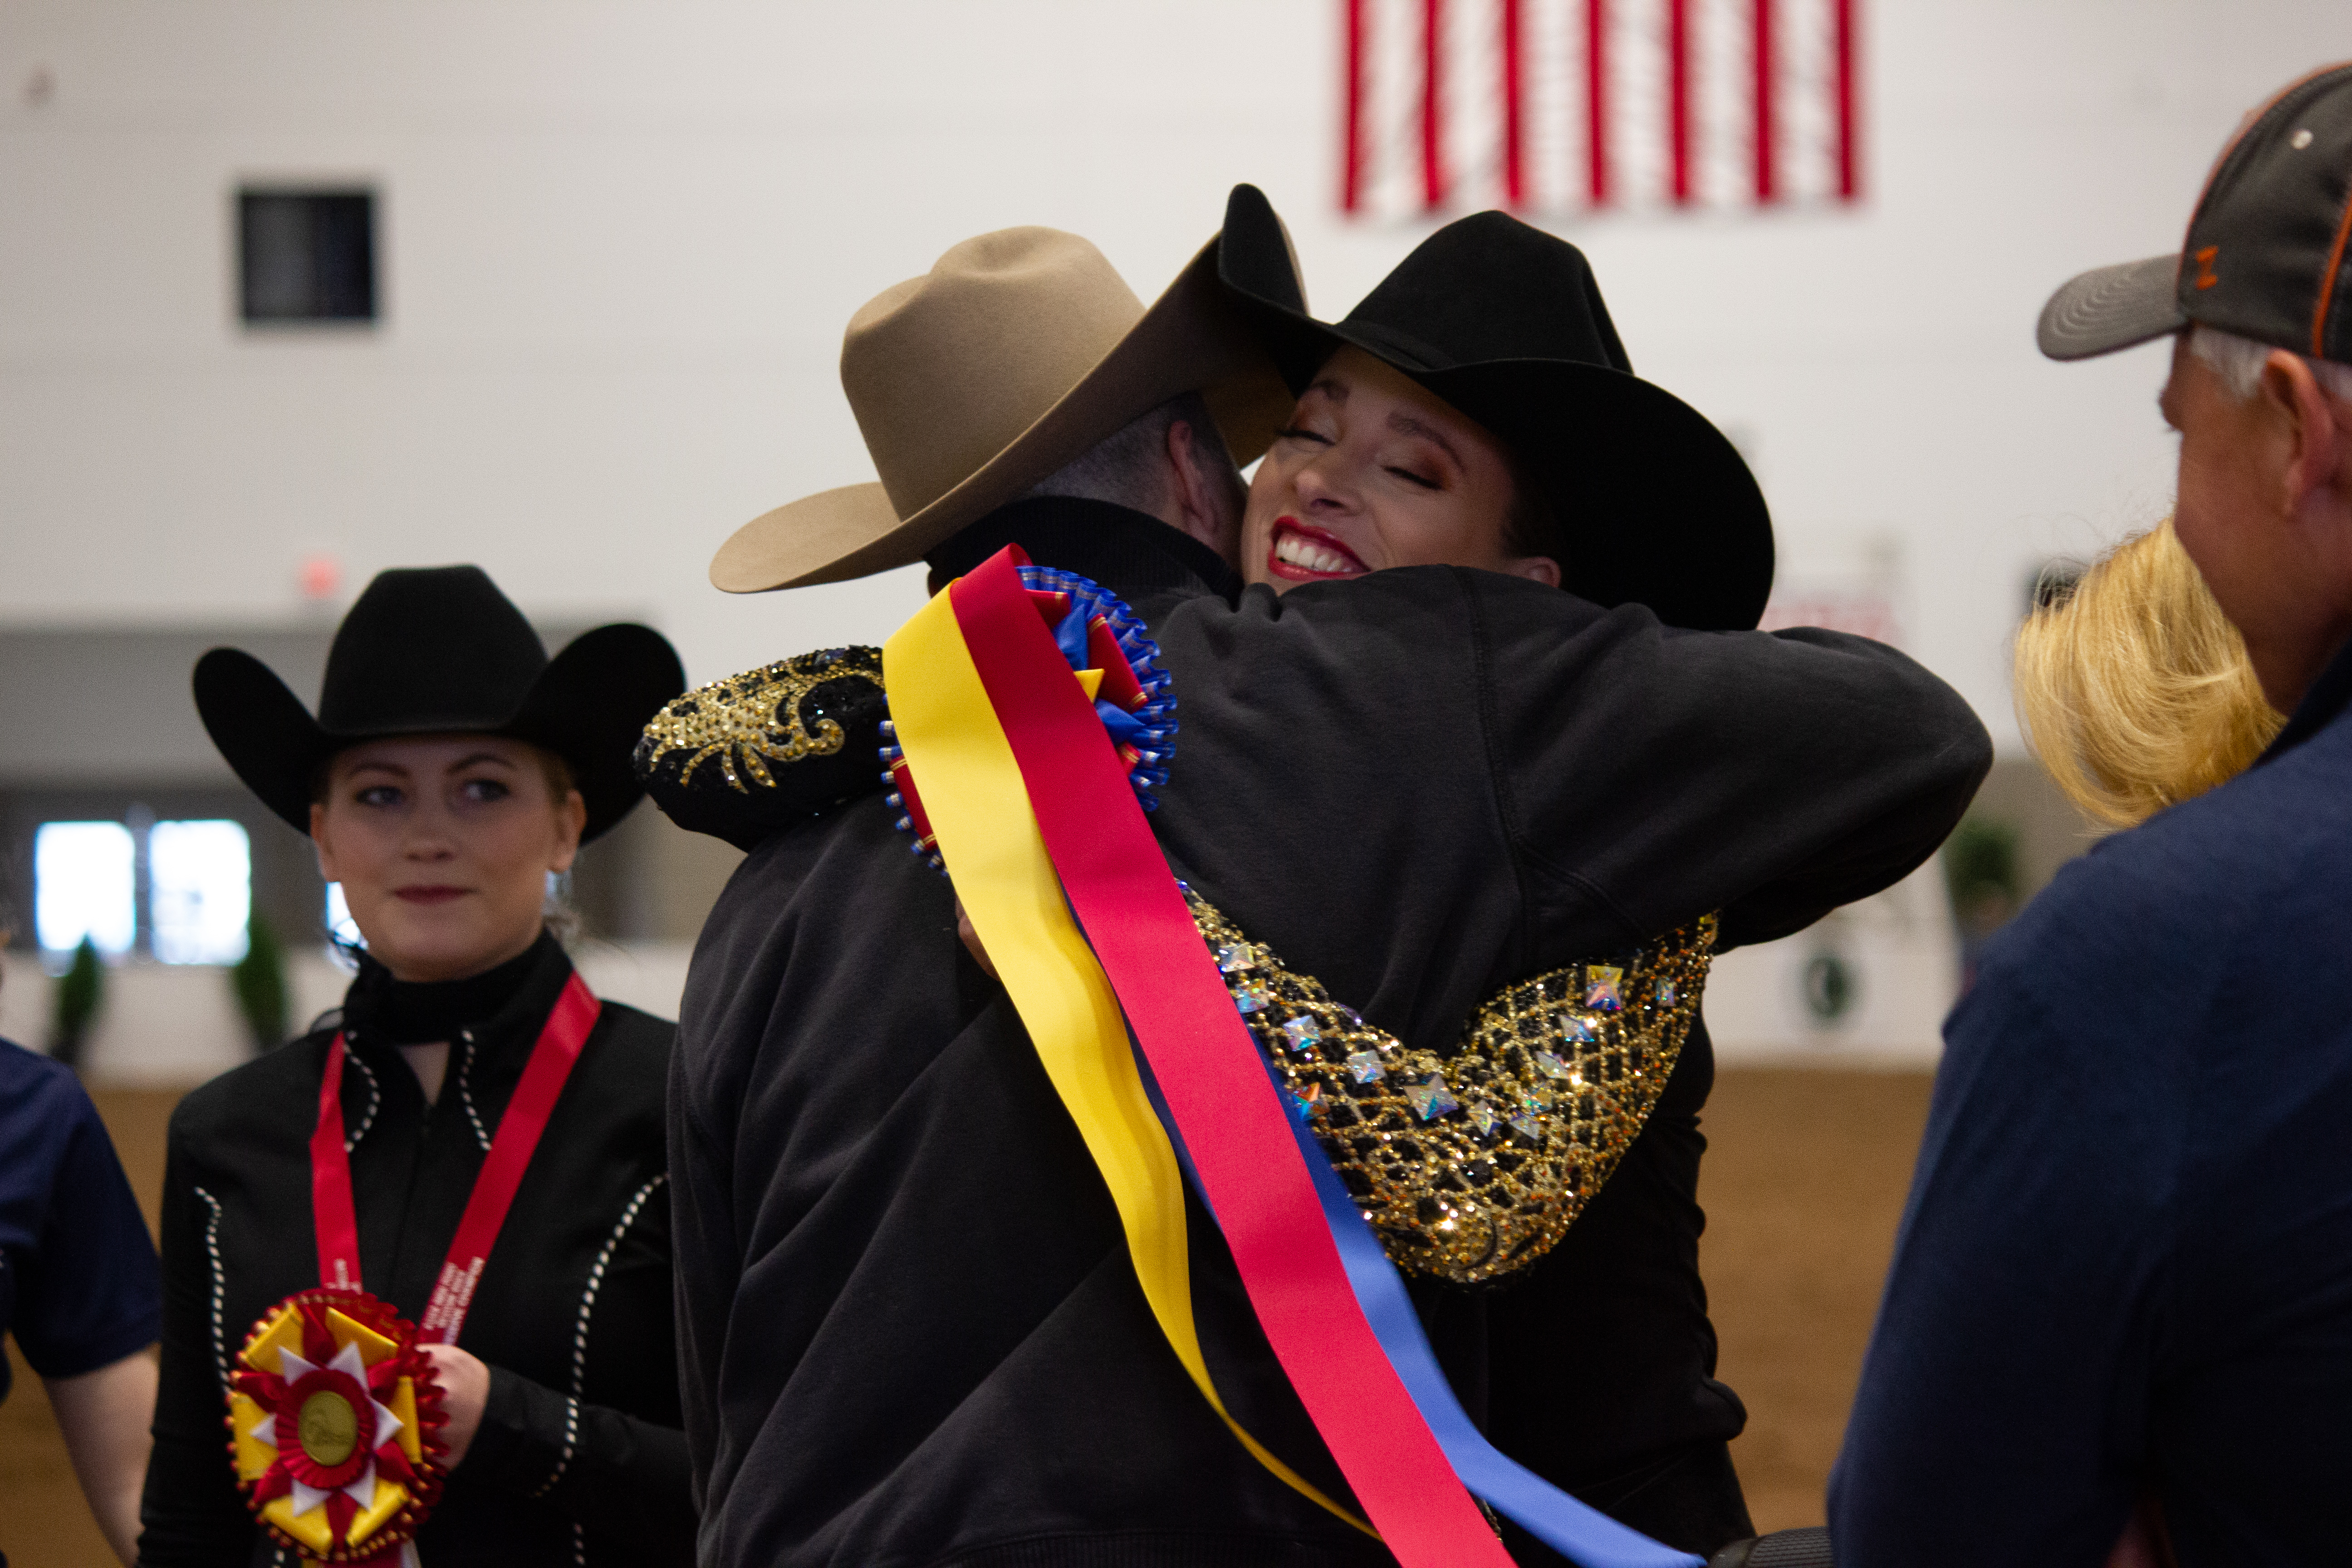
x,y
78,1284
2127,1262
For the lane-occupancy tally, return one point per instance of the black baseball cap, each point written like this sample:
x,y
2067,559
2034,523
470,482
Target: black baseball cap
x,y
2266,256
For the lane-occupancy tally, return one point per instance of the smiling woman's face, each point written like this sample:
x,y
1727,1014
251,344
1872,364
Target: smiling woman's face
x,y
443,845
1376,472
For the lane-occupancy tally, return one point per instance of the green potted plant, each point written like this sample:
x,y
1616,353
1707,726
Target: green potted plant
x,y
1982,875
80,993
259,981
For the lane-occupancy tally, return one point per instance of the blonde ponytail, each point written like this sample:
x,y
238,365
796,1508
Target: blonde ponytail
x,y
2134,689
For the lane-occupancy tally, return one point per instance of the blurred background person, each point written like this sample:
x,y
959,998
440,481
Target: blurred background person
x,y
78,1287
453,770
2136,693
2124,1277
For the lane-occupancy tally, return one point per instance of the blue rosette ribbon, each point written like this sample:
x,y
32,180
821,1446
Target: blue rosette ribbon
x,y
1098,634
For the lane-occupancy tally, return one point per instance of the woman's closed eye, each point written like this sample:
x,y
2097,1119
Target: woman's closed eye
x,y
1424,481
1298,433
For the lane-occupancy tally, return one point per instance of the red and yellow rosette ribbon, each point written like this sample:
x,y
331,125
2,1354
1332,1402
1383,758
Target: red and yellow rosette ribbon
x,y
335,1419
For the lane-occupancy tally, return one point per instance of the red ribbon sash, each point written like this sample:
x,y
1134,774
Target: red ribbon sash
x,y
1234,1125
520,1130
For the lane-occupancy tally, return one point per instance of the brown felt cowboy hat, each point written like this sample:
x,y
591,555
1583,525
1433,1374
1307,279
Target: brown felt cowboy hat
x,y
1018,351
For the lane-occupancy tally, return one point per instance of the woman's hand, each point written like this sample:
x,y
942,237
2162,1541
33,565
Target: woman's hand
x,y
465,1388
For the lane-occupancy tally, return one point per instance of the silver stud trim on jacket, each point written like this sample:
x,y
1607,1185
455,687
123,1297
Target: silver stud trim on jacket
x,y
465,1090
375,1099
579,1334
220,1287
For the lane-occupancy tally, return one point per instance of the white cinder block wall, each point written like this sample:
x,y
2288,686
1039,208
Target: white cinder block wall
x,y
620,240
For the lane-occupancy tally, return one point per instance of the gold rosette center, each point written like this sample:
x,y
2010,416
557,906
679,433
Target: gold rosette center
x,y
329,1427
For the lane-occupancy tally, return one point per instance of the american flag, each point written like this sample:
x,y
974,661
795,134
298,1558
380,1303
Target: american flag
x,y
1567,108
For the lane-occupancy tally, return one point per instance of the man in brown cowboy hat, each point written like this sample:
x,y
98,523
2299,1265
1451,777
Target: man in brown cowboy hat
x,y
910,1327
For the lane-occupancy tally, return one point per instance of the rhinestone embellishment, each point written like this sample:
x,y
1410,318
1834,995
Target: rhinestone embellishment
x,y
1554,1077
1430,1099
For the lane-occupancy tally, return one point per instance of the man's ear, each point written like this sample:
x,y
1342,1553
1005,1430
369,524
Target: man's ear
x,y
1535,569
1208,510
2306,415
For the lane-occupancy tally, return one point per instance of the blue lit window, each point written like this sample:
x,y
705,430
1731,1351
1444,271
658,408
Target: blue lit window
x,y
200,891
181,892
85,884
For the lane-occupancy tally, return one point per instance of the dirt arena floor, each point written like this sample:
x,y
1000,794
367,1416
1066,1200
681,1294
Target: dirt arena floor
x,y
1803,1187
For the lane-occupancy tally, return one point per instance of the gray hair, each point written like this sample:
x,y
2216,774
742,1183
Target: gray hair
x,y
2239,362
1128,467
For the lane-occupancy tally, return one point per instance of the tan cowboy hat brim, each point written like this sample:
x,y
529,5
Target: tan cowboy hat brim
x,y
1190,339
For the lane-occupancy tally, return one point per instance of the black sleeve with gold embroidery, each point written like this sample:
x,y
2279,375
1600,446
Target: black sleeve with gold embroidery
x,y
742,757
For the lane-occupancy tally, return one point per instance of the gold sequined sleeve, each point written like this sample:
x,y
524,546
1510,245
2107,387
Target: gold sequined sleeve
x,y
1473,1164
754,752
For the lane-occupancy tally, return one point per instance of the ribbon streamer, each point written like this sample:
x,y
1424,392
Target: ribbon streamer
x,y
978,683
1562,1522
981,818
1118,881
1573,1527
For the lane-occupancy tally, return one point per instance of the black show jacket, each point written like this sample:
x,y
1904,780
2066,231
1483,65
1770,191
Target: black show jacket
x,y
579,1459
911,1333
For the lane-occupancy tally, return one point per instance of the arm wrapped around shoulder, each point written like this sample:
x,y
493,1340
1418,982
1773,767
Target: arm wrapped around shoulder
x,y
1770,775
740,758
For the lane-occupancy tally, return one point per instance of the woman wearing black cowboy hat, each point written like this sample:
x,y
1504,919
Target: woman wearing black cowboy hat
x,y
477,1144
1478,409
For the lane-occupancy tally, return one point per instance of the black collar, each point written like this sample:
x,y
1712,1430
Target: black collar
x,y
2320,705
512,999
1130,552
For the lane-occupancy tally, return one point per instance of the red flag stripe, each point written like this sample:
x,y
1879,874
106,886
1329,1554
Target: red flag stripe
x,y
1849,182
1596,101
1515,178
1433,104
1678,100
1767,129
1351,175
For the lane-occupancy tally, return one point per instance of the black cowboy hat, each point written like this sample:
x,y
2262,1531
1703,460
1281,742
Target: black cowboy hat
x,y
1653,503
439,651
